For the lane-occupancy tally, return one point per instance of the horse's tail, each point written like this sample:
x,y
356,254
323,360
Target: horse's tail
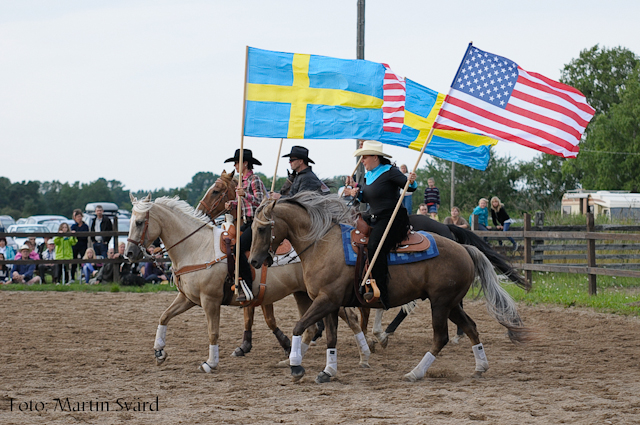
x,y
467,237
499,304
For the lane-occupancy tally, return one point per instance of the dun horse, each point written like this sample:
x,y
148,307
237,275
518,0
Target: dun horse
x,y
213,204
445,279
193,244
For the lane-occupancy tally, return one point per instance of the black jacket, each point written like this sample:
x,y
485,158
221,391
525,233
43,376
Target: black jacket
x,y
500,217
105,226
305,180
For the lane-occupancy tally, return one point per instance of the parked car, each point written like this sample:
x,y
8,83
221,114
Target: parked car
x,y
5,222
54,225
41,219
26,228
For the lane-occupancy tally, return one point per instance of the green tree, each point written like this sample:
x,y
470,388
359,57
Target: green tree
x,y
200,183
543,183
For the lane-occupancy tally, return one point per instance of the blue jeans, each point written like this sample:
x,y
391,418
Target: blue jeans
x,y
100,249
505,228
87,270
406,202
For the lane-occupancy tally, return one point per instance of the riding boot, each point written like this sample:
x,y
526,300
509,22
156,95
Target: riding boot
x,y
245,275
384,292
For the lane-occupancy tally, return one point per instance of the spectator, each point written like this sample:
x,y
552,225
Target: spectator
x,y
101,224
49,254
23,273
422,209
406,201
33,254
43,246
501,219
88,270
483,214
6,250
106,272
81,245
64,251
5,274
456,219
432,198
154,272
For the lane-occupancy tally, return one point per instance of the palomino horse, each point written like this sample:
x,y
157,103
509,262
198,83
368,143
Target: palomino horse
x,y
193,246
444,279
213,204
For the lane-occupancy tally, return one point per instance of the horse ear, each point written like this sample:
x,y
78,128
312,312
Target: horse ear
x,y
133,198
147,198
233,173
224,173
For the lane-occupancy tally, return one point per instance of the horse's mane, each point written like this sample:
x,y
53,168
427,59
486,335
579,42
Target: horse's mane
x,y
174,204
323,210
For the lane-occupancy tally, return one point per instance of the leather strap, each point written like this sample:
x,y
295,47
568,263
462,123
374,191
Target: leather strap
x,y
197,267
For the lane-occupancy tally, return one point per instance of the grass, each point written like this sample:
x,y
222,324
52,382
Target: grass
x,y
617,295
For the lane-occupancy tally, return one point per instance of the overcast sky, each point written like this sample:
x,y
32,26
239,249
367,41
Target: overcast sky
x,y
149,92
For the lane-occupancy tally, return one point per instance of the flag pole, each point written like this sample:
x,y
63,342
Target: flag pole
x,y
240,172
275,173
357,165
395,211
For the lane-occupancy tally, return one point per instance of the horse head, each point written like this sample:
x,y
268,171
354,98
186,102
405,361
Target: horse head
x,y
286,187
142,230
223,190
265,235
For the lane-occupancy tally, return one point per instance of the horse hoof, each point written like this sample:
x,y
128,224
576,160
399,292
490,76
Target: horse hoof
x,y
477,374
283,364
410,377
204,367
365,365
161,356
297,372
323,377
371,342
237,352
456,339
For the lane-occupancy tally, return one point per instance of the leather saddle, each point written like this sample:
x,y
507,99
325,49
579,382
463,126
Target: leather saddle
x,y
415,242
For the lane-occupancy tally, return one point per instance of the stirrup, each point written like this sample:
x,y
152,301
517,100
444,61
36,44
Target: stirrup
x,y
244,293
372,293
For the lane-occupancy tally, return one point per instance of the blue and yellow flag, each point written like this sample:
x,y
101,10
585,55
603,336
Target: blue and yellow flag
x,y
300,96
421,108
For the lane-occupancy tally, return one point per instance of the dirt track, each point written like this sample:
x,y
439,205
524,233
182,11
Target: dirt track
x,y
585,368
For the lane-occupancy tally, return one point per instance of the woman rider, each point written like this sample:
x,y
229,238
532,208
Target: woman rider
x,y
252,192
380,191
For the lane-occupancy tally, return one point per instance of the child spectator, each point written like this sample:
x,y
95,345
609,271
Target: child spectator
x,y
5,276
23,273
49,254
88,271
456,219
406,201
501,219
6,250
432,198
64,251
483,214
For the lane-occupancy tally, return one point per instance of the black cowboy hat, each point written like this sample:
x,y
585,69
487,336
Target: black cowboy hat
x,y
247,156
300,153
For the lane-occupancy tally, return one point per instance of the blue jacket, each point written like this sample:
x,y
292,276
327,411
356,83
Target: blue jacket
x,y
24,269
483,216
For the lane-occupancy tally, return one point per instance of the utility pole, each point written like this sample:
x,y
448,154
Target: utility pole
x,y
360,55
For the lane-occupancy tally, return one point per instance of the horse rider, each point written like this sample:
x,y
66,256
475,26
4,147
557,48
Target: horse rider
x,y
251,192
304,178
380,191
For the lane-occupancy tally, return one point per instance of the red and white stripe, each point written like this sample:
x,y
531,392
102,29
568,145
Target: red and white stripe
x,y
542,114
394,97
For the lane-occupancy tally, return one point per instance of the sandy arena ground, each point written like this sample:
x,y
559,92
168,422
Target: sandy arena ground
x,y
97,349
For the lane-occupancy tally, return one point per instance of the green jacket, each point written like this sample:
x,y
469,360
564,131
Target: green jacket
x,y
63,247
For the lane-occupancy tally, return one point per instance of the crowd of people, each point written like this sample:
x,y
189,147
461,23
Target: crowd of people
x,y
69,247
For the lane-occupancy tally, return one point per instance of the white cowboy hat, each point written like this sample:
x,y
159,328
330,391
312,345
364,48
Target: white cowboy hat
x,y
370,147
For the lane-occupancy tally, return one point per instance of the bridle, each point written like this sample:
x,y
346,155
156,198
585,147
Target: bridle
x,y
272,224
225,197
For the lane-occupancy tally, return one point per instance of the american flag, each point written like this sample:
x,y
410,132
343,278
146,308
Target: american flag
x,y
492,95
394,96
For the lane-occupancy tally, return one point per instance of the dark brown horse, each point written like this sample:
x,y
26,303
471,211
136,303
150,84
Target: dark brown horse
x,y
310,218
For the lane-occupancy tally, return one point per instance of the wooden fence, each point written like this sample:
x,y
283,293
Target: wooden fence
x,y
574,249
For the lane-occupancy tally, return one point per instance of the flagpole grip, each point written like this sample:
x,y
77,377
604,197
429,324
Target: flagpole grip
x,y
395,211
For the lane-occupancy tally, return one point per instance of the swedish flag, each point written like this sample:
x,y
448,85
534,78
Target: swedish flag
x,y
421,108
300,96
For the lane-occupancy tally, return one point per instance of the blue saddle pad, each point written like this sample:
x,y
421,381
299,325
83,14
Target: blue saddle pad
x,y
350,255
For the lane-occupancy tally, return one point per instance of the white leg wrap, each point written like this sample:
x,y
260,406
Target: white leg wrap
x,y
362,343
295,358
161,336
332,362
303,349
482,364
377,322
420,370
214,356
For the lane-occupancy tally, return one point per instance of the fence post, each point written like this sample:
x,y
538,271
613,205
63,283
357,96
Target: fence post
x,y
527,246
116,266
474,222
538,221
591,254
